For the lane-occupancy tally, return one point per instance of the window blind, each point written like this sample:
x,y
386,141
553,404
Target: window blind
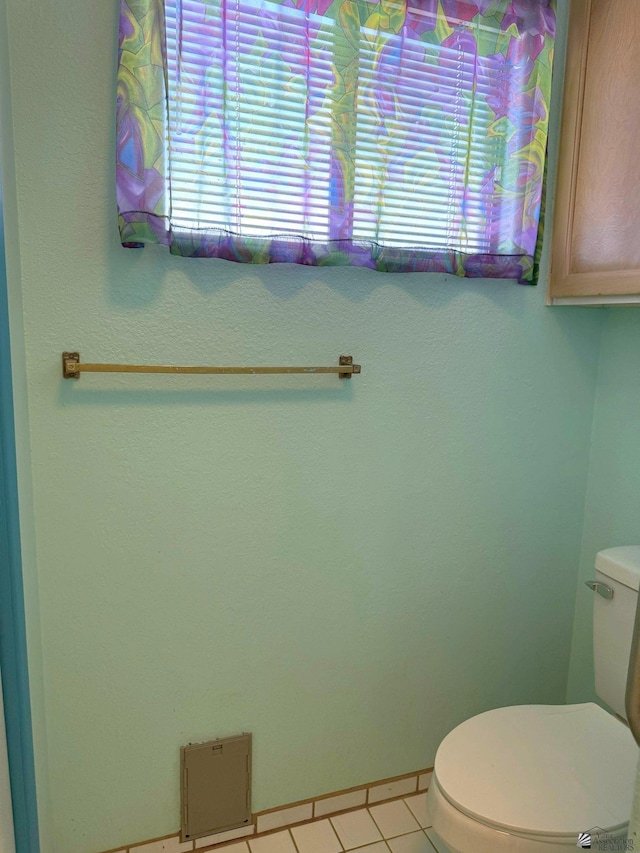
x,y
402,137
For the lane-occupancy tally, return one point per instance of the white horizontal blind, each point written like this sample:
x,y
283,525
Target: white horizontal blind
x,y
250,130
423,145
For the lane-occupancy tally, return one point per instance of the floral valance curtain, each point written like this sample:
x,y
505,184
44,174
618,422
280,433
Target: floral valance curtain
x,y
399,135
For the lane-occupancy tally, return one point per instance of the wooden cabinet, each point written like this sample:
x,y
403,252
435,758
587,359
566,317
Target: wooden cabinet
x,y
596,230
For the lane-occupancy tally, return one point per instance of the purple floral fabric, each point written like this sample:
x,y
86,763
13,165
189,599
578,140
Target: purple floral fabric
x,y
398,135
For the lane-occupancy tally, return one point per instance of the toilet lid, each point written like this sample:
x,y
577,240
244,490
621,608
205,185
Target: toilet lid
x,y
541,769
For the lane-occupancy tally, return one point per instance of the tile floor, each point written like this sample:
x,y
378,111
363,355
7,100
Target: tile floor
x,y
398,826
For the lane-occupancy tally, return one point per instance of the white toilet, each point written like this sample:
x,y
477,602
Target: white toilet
x,y
530,778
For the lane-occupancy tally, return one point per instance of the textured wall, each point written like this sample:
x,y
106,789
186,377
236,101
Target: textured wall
x,y
612,510
345,569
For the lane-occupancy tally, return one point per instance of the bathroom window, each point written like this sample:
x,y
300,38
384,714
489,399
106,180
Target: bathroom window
x,y
401,135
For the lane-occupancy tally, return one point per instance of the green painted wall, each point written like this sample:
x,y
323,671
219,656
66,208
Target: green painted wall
x,y
347,570
612,509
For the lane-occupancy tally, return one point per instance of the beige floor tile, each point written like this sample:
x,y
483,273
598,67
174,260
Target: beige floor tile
x,y
438,846
394,819
342,801
317,837
277,842
378,847
284,817
355,829
393,789
418,806
165,845
424,780
415,842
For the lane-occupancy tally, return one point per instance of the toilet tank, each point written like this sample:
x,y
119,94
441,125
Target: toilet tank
x,y
618,570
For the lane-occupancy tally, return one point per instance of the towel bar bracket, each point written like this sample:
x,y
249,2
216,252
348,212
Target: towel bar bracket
x,y
70,360
348,359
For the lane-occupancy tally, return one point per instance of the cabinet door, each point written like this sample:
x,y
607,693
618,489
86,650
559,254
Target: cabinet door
x,y
596,233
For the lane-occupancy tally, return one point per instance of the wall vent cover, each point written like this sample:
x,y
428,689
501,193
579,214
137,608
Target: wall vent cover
x,y
216,786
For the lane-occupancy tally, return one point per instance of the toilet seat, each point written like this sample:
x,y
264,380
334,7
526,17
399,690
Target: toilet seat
x,y
539,772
